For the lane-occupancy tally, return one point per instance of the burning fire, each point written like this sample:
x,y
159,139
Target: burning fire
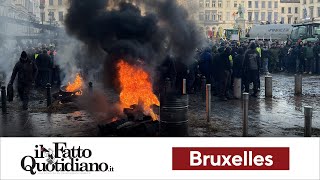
x,y
76,86
136,88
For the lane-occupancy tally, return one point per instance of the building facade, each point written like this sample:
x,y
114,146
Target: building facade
x,y
16,16
215,14
310,9
53,12
290,11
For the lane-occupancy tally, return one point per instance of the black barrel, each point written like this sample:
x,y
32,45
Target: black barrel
x,y
174,116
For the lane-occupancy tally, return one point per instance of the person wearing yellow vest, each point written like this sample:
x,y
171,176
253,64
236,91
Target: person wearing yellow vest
x,y
231,60
259,50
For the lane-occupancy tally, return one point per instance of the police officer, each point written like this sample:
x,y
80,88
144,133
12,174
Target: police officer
x,y
27,72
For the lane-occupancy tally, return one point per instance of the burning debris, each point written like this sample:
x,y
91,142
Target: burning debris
x,y
136,44
76,87
70,92
136,88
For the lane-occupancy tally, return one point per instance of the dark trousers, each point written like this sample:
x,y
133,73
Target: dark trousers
x,y
224,83
24,91
318,65
310,66
44,77
252,76
55,76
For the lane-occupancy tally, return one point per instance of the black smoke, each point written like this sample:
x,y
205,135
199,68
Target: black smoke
x,y
123,32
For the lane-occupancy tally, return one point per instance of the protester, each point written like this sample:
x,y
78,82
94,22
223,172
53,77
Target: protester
x,y
251,69
27,73
45,65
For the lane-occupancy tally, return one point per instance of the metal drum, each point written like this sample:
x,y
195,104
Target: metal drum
x,y
174,116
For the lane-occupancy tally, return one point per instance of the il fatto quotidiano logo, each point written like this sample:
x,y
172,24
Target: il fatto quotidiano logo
x,y
61,158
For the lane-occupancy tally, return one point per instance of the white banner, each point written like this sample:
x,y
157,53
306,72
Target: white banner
x,y
151,158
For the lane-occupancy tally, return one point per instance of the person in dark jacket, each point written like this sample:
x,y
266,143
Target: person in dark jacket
x,y
45,65
317,57
309,56
205,64
224,68
251,68
238,63
27,73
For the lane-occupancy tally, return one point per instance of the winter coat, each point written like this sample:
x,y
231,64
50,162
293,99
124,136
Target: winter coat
x,y
308,52
223,64
251,60
205,62
44,62
27,72
238,65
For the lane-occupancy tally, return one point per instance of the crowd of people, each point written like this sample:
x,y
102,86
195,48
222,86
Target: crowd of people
x,y
36,67
222,62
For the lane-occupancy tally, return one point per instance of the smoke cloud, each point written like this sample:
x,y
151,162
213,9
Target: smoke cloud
x,y
112,30
123,31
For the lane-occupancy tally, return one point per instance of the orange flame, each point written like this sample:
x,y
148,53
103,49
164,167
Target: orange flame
x,y
136,88
76,85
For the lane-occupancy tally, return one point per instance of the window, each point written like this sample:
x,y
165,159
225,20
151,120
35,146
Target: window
x,y
51,2
201,16
250,16
60,16
249,4
263,4
270,4
214,3
256,16
289,20
256,4
304,1
311,12
311,1
228,4
263,16
220,16
282,10
275,4
282,19
269,16
235,4
296,10
276,16
207,16
295,20
220,3
201,3
207,3
228,16
318,11
289,10
213,16
60,2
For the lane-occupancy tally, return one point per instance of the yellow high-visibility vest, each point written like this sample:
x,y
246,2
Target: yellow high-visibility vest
x,y
259,51
231,60
36,56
